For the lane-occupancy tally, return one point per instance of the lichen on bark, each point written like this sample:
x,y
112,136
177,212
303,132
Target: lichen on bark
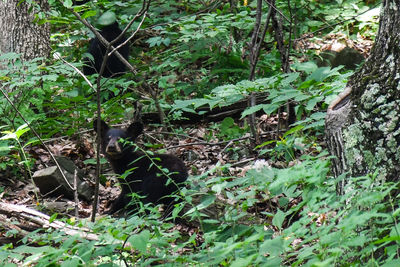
x,y
370,136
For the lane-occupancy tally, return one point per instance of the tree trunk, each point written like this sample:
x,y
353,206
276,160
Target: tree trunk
x,y
20,33
362,125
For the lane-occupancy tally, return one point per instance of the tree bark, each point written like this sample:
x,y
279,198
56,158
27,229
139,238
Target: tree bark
x,y
362,125
19,31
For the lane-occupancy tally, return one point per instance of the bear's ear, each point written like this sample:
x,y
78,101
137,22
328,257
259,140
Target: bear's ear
x,y
135,129
103,126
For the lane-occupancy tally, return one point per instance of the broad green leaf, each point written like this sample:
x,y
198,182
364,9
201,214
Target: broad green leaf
x,y
206,201
274,247
140,241
67,3
252,110
107,18
392,263
278,219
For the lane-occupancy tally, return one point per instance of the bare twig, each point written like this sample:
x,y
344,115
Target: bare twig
x,y
57,56
76,193
141,12
210,143
256,42
104,41
287,69
133,34
285,52
52,191
242,162
253,62
113,50
272,5
253,43
110,50
107,44
279,36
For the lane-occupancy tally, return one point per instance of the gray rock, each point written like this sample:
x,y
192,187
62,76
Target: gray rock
x,y
51,183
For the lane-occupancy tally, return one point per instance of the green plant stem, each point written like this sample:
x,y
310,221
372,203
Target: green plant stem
x,y
27,167
39,138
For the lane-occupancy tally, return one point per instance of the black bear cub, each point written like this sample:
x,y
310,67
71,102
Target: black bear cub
x,y
155,177
114,67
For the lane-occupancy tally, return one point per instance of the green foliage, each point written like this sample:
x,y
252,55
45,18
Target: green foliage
x,y
319,88
230,130
205,40
107,18
320,229
10,143
318,14
197,55
286,147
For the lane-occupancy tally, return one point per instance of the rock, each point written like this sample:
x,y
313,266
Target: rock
x,y
50,181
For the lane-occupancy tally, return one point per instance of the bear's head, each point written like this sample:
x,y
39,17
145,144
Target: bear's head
x,y
112,139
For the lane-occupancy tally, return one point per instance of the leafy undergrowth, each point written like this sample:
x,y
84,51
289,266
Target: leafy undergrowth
x,y
276,205
240,211
292,217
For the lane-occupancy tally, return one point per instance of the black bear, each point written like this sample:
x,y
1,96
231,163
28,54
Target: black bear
x,y
114,67
155,177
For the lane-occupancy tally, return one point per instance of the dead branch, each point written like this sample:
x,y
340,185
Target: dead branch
x,y
40,220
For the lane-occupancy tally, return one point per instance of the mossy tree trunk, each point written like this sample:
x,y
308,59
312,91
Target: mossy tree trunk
x,y
362,125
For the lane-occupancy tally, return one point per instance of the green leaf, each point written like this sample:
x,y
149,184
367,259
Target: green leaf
x,y
321,74
311,103
293,130
53,217
107,18
396,212
274,247
219,187
94,162
9,135
140,240
392,263
21,130
67,3
283,201
252,110
239,262
206,201
17,134
266,143
307,67
72,262
278,219
89,13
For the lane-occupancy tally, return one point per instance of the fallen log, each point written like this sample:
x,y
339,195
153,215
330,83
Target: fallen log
x,y
30,218
206,114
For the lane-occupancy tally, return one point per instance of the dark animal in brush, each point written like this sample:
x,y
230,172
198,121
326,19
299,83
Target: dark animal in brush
x,y
114,67
155,177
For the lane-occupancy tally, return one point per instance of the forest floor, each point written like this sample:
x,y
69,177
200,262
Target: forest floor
x,y
203,149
